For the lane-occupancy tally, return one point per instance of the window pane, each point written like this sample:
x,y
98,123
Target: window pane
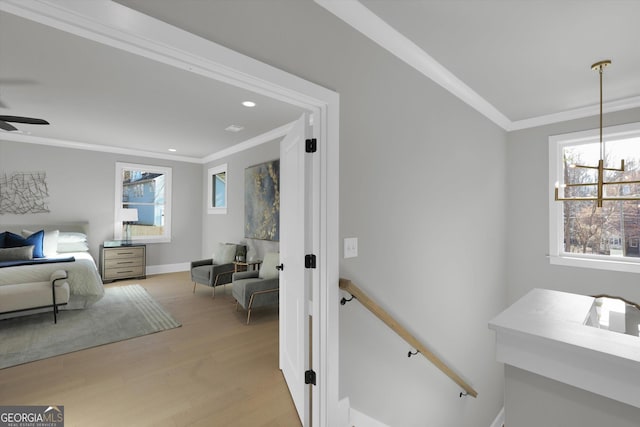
x,y
145,190
614,229
219,190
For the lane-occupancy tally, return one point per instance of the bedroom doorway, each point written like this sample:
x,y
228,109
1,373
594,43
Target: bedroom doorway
x,y
114,25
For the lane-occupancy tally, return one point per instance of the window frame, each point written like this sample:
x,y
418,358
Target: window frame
x,y
117,227
211,173
557,255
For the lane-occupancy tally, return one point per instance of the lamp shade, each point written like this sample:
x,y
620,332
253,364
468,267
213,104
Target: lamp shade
x,y
129,215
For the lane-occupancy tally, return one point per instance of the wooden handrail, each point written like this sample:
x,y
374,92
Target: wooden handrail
x,y
348,286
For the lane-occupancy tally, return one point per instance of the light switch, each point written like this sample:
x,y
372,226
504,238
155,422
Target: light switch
x,y
350,247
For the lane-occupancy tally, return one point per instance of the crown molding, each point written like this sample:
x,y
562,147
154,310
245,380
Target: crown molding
x,y
578,113
77,145
263,138
372,26
268,136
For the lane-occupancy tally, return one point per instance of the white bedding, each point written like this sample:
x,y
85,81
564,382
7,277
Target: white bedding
x,y
84,280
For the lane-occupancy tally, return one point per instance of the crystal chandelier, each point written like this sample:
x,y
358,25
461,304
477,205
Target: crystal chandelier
x,y
601,183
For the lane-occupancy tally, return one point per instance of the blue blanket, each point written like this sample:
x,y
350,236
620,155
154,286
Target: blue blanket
x,y
35,261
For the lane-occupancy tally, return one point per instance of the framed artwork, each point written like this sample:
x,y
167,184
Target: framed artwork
x,y
262,201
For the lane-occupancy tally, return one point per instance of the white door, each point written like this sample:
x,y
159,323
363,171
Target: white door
x,y
294,317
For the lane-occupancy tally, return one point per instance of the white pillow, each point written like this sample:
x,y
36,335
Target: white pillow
x,y
49,243
225,254
71,237
72,247
268,267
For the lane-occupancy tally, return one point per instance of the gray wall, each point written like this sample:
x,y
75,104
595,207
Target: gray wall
x,y
534,401
230,227
81,188
528,218
423,187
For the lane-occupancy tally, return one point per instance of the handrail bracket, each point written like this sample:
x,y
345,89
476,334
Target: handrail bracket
x,y
348,286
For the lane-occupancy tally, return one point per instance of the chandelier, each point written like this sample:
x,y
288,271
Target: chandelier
x,y
601,183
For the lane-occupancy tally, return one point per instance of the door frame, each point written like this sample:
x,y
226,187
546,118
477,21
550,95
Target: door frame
x,y
117,26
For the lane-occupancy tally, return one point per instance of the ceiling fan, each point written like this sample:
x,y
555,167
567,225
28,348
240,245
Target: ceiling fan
x,y
4,122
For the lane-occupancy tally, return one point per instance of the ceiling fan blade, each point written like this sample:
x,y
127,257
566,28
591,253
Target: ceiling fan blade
x,y
26,120
6,126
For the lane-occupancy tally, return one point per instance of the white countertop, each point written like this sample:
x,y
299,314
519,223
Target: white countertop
x,y
544,332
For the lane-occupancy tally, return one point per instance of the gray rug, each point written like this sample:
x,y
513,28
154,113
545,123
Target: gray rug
x,y
124,312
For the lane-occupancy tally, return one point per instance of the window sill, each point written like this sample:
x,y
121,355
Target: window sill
x,y
600,264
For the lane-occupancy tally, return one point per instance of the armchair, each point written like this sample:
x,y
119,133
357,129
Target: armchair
x,y
217,270
253,289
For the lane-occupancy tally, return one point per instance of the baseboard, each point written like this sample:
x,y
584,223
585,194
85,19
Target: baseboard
x,y
350,417
343,412
358,419
168,268
499,421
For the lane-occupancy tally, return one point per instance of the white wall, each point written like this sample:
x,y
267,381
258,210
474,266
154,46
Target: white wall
x,y
560,405
528,218
423,186
81,187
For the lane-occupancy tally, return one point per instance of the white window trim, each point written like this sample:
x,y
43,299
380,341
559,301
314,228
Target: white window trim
x,y
117,223
210,174
557,255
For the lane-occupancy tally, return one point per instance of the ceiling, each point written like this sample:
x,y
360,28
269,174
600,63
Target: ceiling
x,y
527,58
106,97
522,63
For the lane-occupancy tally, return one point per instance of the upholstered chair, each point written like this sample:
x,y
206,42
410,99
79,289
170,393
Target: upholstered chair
x,y
253,289
218,269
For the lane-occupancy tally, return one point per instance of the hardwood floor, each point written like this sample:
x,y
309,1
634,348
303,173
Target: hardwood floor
x,y
213,371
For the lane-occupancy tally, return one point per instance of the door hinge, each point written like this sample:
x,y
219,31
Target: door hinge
x,y
311,145
310,261
310,377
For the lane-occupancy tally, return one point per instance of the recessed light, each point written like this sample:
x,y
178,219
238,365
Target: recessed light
x,y
249,104
234,128
173,150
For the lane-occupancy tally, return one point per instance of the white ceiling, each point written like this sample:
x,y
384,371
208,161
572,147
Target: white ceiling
x,y
528,58
521,63
99,95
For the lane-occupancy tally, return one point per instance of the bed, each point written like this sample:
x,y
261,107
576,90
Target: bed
x,y
70,239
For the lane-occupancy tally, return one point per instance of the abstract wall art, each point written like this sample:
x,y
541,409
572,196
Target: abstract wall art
x,y
23,193
262,201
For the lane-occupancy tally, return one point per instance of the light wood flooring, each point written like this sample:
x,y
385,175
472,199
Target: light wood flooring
x,y
213,371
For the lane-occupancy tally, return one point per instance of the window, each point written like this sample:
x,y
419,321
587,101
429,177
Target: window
x,y
581,234
146,191
217,194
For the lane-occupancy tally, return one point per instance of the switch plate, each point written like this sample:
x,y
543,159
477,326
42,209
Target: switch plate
x,y
350,247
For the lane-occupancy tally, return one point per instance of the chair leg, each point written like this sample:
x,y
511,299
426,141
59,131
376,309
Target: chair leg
x,y
194,287
248,315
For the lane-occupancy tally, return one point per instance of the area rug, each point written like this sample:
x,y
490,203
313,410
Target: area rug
x,y
124,312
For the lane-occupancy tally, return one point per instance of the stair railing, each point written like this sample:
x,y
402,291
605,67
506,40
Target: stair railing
x,y
348,286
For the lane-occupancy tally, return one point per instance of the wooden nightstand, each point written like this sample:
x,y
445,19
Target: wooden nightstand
x,y
119,261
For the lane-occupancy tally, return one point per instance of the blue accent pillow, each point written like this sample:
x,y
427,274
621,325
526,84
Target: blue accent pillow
x,y
2,244
36,239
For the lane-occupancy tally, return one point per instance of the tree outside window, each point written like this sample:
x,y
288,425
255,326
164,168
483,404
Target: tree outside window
x,y
611,232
